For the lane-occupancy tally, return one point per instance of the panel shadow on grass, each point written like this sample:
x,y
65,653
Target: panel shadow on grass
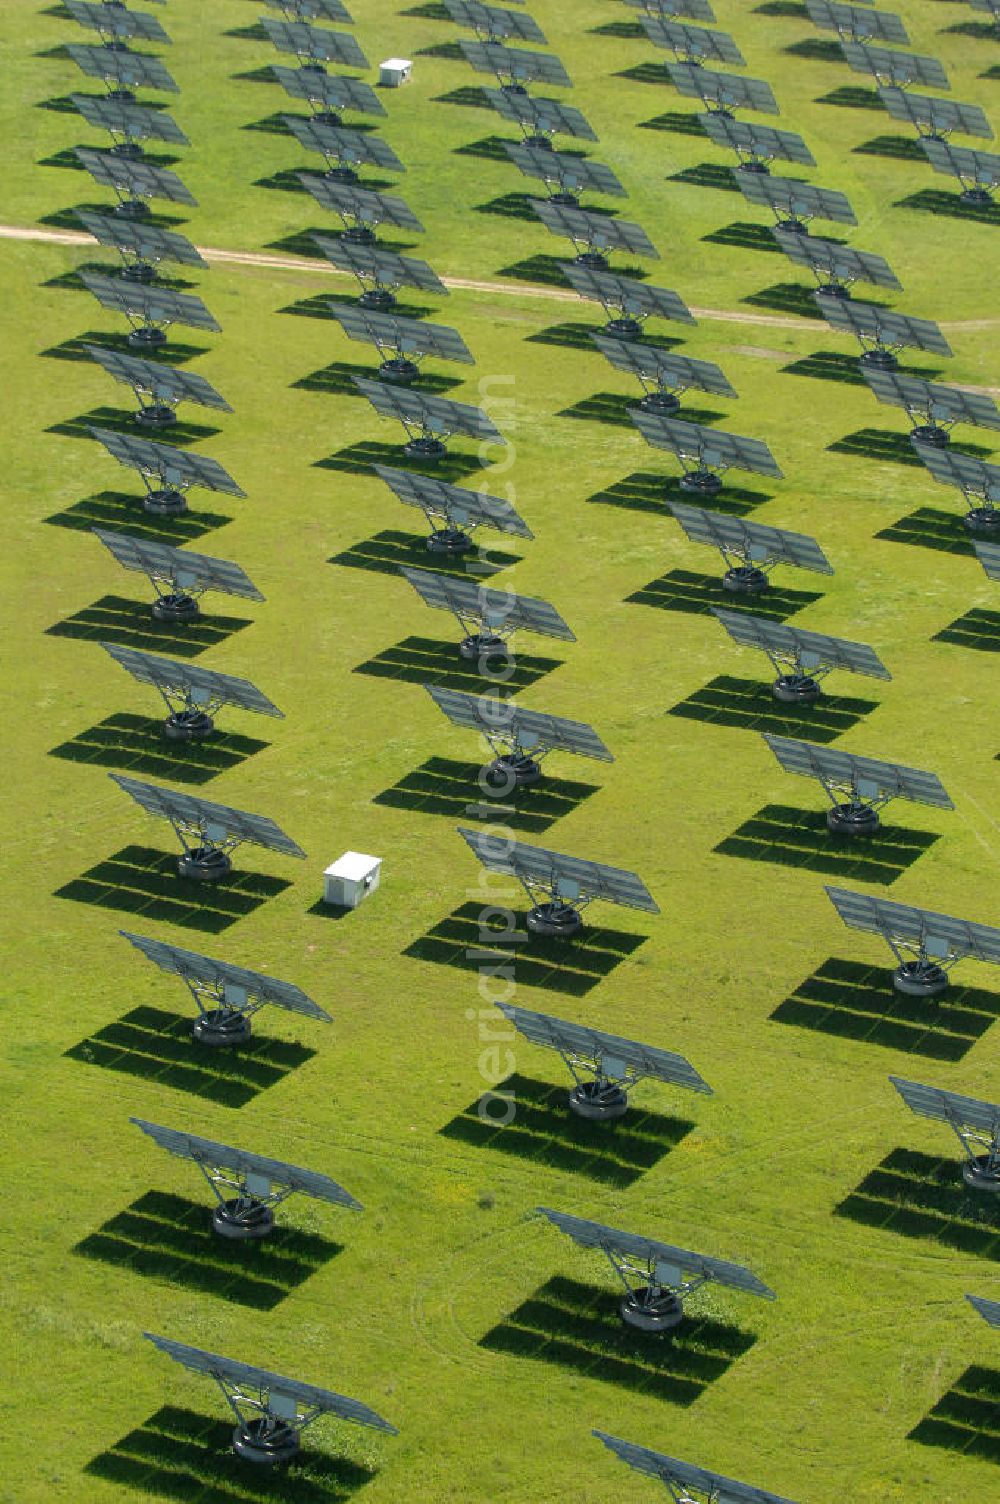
x,y
129,624
976,629
336,380
678,122
614,408
929,528
387,551
578,1327
73,349
747,236
254,76
853,1001
786,297
983,31
122,420
469,95
838,365
443,786
67,158
782,8
154,1045
573,336
680,590
450,51
575,967
707,175
545,271
137,743
122,511
890,444
509,206
68,219
967,1418
490,149
271,125
793,837
170,1238
302,242
545,1131
748,705
950,206
318,307
358,459
920,1196
424,660
817,49
70,281
853,97
286,180
626,31
183,1455
645,73
142,881
898,148
649,491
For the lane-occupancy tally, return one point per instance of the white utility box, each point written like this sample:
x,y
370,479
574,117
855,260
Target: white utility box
x,y
394,71
351,878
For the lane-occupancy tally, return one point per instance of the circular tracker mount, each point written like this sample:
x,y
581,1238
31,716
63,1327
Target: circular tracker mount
x,y
131,150
513,88
139,271
145,339
513,771
188,726
237,1220
745,579
651,1309
204,864
132,208
930,433
761,168
852,820
312,65
984,520
266,1441
449,541
795,226
484,645
164,502
598,1100
700,483
663,403
593,261
121,96
401,372
157,415
378,298
981,1176
920,979
624,328
539,143
359,235
175,607
554,921
796,689
565,200
341,175
221,1028
834,290
880,360
976,198
425,448
328,117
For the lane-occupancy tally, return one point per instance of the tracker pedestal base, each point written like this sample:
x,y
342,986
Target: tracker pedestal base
x,y
984,520
977,198
204,864
651,1310
401,372
132,208
880,360
920,979
177,607
513,772
425,448
795,226
513,88
852,820
982,1176
796,689
145,339
311,66
593,261
598,1101
539,143
268,1446
624,328
745,579
449,541
233,1220
121,96
758,167
700,483
130,150
930,433
834,290
359,235
378,298
188,726
556,921
156,416
139,271
483,645
565,200
328,117
221,1028
164,503
341,175
663,403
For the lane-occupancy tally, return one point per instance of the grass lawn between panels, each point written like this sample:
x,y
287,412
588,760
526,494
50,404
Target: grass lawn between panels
x,y
487,1338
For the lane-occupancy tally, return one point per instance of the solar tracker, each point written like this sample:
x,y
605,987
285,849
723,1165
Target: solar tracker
x,y
428,421
331,91
539,118
705,453
161,385
193,696
694,10
516,63
225,995
668,1273
991,7
604,1066
727,91
749,548
976,1125
272,1410
312,10
141,247
174,470
559,887
493,22
858,22
572,175
133,70
338,145
177,575
935,117
317,43
461,511
596,232
360,205
520,739
133,181
662,376
801,658
836,267
977,171
796,201
208,832
988,555
379,271
970,476
755,144
116,21
681,1477
626,301
497,614
247,1187
857,787
897,68
936,941
693,42
989,1310
133,122
150,310
932,408
401,342
882,331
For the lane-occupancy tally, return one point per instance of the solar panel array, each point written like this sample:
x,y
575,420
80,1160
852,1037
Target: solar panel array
x,y
671,372
727,90
989,1310
801,200
148,242
383,267
980,167
133,121
840,263
174,467
222,975
116,21
628,294
595,230
316,42
857,22
884,325
152,377
711,448
643,1060
757,141
513,723
948,1106
432,414
898,67
870,777
390,331
516,63
217,820
566,876
125,175
200,685
441,499
684,1476
494,607
154,305
937,115
811,649
336,143
131,69
964,471
988,555
494,21
573,174
693,41
361,204
543,116
178,565
754,541
939,935
931,400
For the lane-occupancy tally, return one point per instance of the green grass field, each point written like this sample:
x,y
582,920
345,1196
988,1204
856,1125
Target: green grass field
x,y
488,1339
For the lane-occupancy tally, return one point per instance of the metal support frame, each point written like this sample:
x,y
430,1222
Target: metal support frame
x,y
490,640
179,602
153,413
553,915
421,441
190,718
163,500
982,1170
452,539
918,973
262,1436
227,1020
700,479
660,396
210,858
243,1214
797,681
653,1305
598,1094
